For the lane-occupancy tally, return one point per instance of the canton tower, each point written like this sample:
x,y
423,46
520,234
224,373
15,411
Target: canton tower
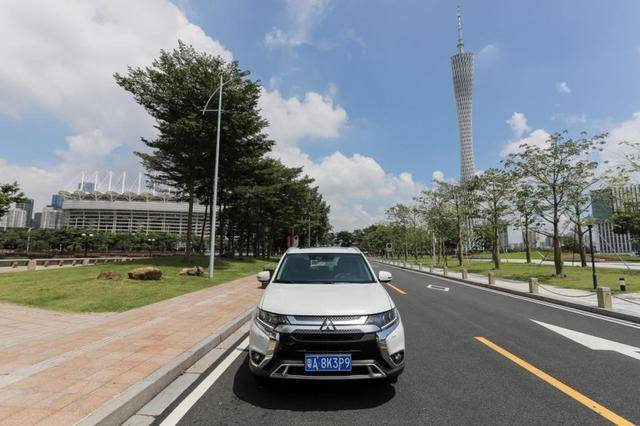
x,y
462,71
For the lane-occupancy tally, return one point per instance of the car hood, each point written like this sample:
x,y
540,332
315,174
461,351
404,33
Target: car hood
x,y
326,299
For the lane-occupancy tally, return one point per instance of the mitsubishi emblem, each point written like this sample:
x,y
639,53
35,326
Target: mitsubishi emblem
x,y
327,325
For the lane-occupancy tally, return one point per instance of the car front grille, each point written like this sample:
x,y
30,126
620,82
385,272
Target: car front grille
x,y
334,318
360,345
323,336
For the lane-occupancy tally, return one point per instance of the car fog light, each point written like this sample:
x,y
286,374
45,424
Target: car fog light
x,y
398,357
256,357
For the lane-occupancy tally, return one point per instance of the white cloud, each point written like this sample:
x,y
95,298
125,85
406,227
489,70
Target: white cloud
x,y
625,131
570,119
304,17
63,54
488,51
518,123
356,187
538,137
292,119
563,87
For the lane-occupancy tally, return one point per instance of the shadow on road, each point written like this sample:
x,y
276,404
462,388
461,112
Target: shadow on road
x,y
309,395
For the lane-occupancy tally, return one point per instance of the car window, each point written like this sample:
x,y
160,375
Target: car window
x,y
329,268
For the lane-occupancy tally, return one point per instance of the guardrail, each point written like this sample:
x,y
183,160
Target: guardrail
x,y
33,264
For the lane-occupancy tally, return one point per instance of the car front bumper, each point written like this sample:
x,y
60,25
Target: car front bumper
x,y
281,354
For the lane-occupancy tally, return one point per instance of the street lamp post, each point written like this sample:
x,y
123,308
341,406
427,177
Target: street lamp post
x,y
28,239
593,262
214,201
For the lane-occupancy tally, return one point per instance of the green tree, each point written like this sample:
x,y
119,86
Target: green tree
x,y
551,169
494,191
9,193
174,90
525,205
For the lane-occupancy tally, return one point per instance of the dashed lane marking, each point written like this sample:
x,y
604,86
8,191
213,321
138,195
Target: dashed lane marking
x,y
437,287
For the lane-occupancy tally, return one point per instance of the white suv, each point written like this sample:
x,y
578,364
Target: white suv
x,y
325,315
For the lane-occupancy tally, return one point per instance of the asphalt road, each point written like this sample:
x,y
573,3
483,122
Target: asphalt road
x,y
451,377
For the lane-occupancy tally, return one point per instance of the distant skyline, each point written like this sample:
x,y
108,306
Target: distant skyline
x,y
364,105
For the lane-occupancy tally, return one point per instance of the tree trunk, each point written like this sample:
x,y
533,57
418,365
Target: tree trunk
x,y
557,250
582,250
204,227
579,233
527,243
189,222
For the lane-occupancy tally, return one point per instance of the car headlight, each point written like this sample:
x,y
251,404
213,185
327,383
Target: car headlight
x,y
271,320
383,319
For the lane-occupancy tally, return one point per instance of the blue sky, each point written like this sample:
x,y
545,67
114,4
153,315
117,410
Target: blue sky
x,y
369,81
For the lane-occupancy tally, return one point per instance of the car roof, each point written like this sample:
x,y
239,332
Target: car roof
x,y
297,250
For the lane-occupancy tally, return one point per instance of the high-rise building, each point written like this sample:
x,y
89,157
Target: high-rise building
x,y
14,218
56,201
27,205
604,203
51,218
87,186
462,71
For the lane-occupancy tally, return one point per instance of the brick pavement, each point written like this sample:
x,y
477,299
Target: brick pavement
x,y
56,368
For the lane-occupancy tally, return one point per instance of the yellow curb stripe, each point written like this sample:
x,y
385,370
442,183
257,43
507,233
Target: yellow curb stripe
x,y
396,288
587,402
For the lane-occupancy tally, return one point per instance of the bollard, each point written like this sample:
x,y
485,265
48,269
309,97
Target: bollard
x,y
445,271
465,274
31,265
492,278
431,268
622,283
533,285
604,297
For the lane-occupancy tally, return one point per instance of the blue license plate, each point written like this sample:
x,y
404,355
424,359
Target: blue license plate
x,y
327,362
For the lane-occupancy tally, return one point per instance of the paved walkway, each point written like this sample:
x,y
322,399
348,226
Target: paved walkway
x,y
56,368
628,303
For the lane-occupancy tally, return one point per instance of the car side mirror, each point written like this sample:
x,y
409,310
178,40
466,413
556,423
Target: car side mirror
x,y
264,276
384,276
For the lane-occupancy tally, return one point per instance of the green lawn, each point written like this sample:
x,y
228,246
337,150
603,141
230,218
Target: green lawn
x,y
78,290
535,255
576,277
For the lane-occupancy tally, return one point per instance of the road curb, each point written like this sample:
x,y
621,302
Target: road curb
x,y
126,404
592,309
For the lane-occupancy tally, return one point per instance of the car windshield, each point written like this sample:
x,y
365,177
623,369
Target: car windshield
x,y
324,268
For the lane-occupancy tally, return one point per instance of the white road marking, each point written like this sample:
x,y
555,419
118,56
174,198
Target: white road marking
x,y
437,287
186,404
527,299
593,342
